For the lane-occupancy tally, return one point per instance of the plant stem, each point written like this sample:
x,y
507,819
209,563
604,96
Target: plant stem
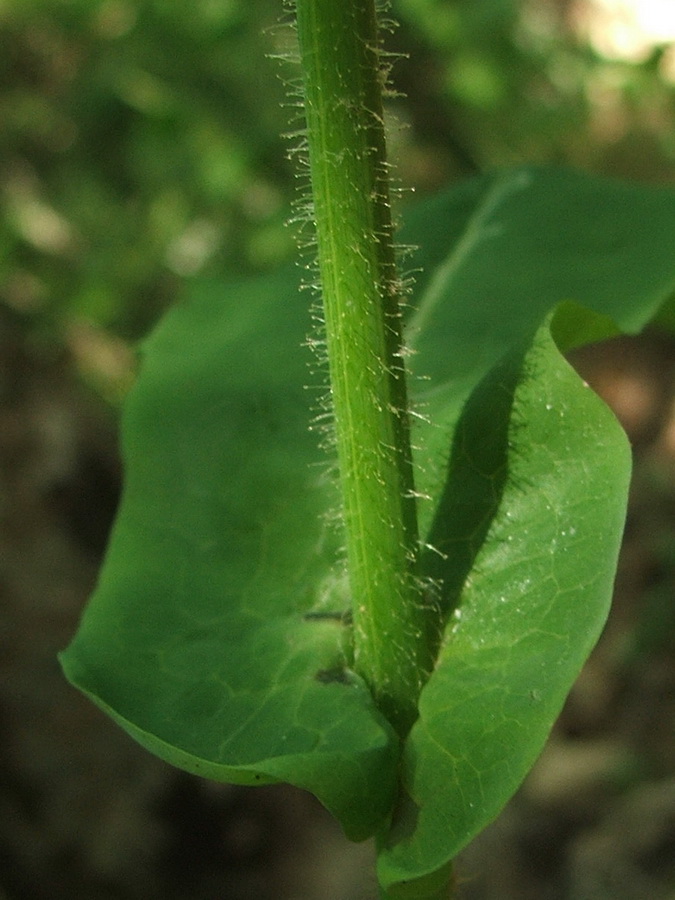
x,y
339,51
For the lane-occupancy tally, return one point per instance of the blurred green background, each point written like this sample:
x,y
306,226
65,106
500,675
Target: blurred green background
x,y
140,140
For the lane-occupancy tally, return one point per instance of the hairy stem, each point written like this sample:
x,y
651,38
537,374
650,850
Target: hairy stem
x,y
340,56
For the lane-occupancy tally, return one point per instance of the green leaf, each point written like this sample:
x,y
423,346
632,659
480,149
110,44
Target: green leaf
x,y
529,529
217,633
499,253
526,533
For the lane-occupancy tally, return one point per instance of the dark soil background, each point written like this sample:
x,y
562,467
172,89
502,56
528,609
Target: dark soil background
x,y
85,813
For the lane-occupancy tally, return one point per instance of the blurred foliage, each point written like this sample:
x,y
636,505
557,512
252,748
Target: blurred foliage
x,y
140,140
517,81
140,143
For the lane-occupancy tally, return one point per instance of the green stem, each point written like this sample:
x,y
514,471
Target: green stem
x,y
339,50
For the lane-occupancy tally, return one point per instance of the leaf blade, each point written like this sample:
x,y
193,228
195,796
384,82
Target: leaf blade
x,y
217,634
498,254
540,574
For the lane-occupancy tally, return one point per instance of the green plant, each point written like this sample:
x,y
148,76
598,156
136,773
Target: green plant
x,y
409,684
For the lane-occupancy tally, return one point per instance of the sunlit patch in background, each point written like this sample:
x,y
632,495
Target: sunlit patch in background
x,y
629,30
